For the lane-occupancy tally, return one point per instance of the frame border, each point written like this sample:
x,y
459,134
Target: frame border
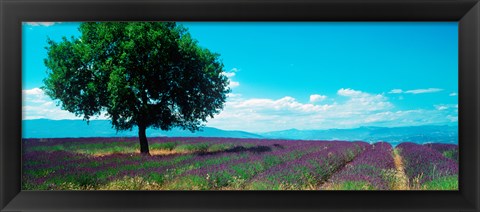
x,y
465,12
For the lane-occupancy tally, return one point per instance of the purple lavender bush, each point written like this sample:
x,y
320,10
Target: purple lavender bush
x,y
448,150
423,164
371,169
309,170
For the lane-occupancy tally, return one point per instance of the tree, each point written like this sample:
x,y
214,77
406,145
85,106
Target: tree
x,y
145,74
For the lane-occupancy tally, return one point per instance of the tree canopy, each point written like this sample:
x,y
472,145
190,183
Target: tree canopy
x,y
145,74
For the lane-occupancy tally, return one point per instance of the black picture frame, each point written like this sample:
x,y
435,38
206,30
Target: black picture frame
x,y
465,12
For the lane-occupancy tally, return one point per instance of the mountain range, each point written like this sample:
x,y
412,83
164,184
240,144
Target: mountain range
x,y
45,128
393,135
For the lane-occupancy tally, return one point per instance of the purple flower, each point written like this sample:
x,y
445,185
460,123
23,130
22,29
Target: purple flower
x,y
425,164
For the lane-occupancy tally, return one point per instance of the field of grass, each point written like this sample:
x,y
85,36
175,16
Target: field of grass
x,y
235,164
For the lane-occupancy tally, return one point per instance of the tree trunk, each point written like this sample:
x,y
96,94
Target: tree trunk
x,y
142,136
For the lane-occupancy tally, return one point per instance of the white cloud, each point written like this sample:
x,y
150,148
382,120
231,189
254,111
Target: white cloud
x,y
47,24
233,95
452,118
262,114
396,91
37,105
453,94
428,90
362,101
348,92
317,98
447,107
359,109
285,104
441,107
230,74
34,95
416,91
33,91
233,84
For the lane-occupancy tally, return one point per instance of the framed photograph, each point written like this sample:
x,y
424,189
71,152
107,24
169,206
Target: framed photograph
x,y
240,105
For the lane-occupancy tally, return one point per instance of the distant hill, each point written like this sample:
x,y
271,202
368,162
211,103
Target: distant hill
x,y
45,128
394,135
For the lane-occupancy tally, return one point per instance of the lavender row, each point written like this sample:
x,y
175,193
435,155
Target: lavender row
x,y
65,158
372,167
423,164
60,164
208,159
448,150
310,169
225,174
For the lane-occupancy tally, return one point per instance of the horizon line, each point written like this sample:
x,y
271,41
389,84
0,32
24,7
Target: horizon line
x,y
454,124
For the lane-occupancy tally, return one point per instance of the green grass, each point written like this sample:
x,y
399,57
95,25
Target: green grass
x,y
220,147
201,147
451,154
198,164
191,182
39,172
354,185
259,185
444,183
91,148
163,146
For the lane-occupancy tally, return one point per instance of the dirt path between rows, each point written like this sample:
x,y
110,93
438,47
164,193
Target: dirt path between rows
x,y
401,182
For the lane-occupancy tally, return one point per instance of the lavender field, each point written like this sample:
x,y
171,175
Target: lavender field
x,y
181,163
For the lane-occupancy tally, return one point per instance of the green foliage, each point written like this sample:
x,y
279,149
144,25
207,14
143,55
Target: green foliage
x,y
83,181
350,154
354,185
390,176
200,147
146,74
90,148
39,172
156,177
128,183
191,182
452,154
220,147
166,146
443,183
260,185
271,160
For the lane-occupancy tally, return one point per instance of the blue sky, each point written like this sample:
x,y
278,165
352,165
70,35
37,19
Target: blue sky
x,y
305,75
